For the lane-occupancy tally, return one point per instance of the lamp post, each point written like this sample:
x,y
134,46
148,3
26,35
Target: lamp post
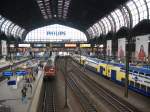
x,y
80,54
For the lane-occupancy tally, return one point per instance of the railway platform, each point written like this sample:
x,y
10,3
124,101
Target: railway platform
x,y
137,100
4,63
10,96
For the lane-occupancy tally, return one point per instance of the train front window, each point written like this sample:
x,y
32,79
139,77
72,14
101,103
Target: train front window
x,y
50,63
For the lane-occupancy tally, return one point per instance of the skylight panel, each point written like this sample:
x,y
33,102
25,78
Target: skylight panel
x,y
10,29
44,7
65,8
112,23
108,24
4,25
117,22
60,6
148,4
142,9
2,20
7,27
120,17
102,26
99,29
96,30
134,12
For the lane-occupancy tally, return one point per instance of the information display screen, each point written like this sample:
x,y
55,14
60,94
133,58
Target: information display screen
x,y
39,45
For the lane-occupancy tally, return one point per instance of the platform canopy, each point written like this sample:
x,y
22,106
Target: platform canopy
x,y
55,33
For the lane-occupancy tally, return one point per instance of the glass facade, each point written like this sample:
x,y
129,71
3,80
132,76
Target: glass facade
x,y
55,33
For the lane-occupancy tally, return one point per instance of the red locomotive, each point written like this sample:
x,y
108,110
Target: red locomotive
x,y
49,70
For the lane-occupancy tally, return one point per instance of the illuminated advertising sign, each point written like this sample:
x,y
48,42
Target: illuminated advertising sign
x,y
85,45
70,45
12,45
56,33
24,45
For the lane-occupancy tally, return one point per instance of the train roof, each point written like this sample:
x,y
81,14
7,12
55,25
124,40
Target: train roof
x,y
139,69
143,69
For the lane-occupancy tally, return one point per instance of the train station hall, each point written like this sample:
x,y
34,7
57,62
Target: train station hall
x,y
74,55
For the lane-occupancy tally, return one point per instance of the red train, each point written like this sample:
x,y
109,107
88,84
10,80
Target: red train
x,y
49,70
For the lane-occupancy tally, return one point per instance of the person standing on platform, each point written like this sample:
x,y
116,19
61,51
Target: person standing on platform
x,y
84,65
24,94
29,83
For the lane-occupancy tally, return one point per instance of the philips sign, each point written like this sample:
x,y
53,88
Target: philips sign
x,y
59,33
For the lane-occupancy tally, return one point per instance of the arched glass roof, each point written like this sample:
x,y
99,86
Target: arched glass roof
x,y
127,15
10,29
55,33
148,6
48,12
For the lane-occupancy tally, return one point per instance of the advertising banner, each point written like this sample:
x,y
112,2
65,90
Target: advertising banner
x,y
121,48
70,45
142,47
109,48
4,47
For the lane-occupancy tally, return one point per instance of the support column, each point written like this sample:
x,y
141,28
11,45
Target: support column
x,y
127,66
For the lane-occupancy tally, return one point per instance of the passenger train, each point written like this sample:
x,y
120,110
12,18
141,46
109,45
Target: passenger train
x,y
50,69
139,77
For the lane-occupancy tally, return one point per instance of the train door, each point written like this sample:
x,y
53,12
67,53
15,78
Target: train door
x,y
113,75
101,70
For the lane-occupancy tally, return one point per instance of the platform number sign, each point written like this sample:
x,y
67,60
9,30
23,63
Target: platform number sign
x,y
21,73
8,73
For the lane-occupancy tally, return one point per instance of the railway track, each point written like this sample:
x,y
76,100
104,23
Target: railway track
x,y
83,99
4,108
102,93
49,97
78,91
